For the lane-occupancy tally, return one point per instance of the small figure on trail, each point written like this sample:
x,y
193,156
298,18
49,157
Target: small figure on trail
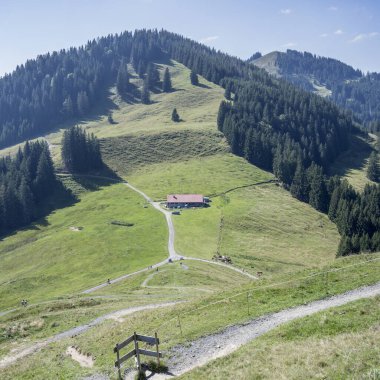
x,y
108,281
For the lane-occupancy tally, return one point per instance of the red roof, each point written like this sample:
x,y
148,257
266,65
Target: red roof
x,y
185,198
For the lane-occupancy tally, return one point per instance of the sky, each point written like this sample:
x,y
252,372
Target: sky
x,y
347,30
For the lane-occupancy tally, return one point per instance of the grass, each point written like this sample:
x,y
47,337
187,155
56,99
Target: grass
x,y
173,282
353,163
197,106
126,154
198,317
51,258
208,176
334,344
262,228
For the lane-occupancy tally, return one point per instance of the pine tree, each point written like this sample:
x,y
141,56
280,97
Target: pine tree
x,y
175,116
152,76
122,80
82,103
300,186
166,82
27,202
373,171
194,78
45,179
318,197
344,248
145,95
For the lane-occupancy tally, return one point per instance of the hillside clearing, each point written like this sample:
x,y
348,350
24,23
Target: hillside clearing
x,y
105,250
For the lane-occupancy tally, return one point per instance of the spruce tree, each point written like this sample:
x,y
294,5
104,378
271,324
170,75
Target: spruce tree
x,y
152,76
145,95
344,248
166,82
373,171
194,78
300,186
122,80
175,116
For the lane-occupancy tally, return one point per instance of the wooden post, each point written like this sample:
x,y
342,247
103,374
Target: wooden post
x,y
248,303
180,327
158,352
118,358
327,283
137,352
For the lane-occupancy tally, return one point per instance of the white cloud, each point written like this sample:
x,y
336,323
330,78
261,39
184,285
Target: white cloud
x,y
286,11
289,45
364,36
338,32
323,35
333,8
208,39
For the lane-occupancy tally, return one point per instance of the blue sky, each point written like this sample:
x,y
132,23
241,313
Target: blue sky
x,y
344,29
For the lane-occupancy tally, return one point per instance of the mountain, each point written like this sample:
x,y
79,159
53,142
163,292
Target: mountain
x,y
330,78
253,144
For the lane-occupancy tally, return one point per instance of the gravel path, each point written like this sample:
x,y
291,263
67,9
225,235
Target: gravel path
x,y
7,360
223,343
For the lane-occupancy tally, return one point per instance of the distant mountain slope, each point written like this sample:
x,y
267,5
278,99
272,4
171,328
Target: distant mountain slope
x,y
347,87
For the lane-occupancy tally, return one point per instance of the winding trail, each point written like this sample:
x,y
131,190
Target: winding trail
x,y
184,358
11,358
173,255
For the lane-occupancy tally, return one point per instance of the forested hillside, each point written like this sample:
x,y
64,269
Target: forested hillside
x,y
270,122
25,183
350,88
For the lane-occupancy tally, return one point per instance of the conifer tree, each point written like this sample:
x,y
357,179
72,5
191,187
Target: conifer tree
x,y
145,95
166,82
194,78
373,171
122,80
152,76
175,116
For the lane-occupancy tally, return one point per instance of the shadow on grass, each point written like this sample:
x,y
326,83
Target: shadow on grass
x,y
201,85
60,198
95,180
354,158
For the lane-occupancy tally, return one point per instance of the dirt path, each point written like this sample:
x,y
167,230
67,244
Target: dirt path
x,y
173,255
115,315
205,349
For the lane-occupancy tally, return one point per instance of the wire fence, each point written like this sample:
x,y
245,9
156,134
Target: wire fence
x,y
259,300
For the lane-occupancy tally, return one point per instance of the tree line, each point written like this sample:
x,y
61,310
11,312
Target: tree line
x,y
25,183
350,88
80,151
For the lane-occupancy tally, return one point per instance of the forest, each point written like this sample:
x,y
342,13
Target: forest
x,y
272,123
350,88
26,181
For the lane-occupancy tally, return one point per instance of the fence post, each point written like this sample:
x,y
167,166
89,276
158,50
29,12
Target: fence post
x,y
158,353
180,327
248,303
327,283
118,358
137,352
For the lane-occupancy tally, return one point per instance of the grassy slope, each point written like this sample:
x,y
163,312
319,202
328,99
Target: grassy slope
x,y
49,260
334,344
202,316
263,229
174,282
353,164
152,155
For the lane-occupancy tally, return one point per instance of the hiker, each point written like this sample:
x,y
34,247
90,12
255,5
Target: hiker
x,y
108,281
